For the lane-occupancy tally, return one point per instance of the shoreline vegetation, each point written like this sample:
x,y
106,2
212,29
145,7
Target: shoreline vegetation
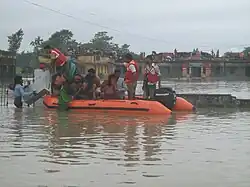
x,y
100,45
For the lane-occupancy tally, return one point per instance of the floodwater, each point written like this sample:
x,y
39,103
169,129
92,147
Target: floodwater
x,y
41,147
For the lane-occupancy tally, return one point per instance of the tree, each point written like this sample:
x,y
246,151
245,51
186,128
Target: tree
x,y
15,41
212,53
100,44
102,41
246,51
122,50
37,43
26,59
61,39
217,53
175,51
125,48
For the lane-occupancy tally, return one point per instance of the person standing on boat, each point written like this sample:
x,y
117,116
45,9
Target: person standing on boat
x,y
131,75
57,56
151,77
67,70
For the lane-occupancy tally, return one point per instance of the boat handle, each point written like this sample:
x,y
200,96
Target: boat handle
x,y
134,103
92,104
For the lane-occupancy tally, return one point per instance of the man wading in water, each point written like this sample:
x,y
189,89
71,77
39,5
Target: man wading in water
x,y
66,71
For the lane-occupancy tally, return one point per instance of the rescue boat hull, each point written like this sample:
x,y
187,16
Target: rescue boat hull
x,y
118,106
181,104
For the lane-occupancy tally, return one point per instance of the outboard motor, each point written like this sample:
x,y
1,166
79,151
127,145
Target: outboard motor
x,y
166,96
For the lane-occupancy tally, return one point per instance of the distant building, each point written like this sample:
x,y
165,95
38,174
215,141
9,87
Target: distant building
x,y
101,64
235,56
7,65
203,65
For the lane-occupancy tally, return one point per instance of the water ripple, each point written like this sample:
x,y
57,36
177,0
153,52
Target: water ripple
x,y
75,149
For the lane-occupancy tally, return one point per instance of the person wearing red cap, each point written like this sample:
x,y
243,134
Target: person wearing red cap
x,y
57,55
66,72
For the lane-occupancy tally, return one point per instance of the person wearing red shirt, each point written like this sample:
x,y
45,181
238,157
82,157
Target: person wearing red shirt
x,y
57,55
66,72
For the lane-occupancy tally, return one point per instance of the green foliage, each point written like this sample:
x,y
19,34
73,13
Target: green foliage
x,y
26,59
61,39
101,43
37,43
15,41
247,51
217,53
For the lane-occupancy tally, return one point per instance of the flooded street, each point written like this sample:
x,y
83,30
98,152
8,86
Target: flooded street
x,y
41,147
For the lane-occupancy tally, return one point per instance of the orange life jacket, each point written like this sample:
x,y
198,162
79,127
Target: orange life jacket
x,y
61,59
129,78
152,77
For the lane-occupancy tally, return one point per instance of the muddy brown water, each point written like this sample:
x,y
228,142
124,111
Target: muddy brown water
x,y
41,147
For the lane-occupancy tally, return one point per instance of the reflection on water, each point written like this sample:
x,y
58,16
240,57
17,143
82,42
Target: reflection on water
x,y
50,148
40,147
117,137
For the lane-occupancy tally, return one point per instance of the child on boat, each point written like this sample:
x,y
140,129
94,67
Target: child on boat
x,y
93,83
109,88
121,86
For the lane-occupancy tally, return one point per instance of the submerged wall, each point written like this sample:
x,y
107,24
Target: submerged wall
x,y
216,100
42,81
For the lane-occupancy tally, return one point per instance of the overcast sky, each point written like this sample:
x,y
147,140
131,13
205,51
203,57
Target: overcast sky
x,y
146,25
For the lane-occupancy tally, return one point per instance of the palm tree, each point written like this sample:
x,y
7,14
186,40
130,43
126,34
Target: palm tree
x,y
36,43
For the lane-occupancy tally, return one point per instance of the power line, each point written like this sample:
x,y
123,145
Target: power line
x,y
111,19
91,23
108,28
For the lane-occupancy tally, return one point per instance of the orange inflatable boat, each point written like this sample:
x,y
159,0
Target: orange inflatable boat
x,y
180,104
168,98
118,106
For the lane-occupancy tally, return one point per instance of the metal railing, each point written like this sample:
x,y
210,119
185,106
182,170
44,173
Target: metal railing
x,y
4,95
